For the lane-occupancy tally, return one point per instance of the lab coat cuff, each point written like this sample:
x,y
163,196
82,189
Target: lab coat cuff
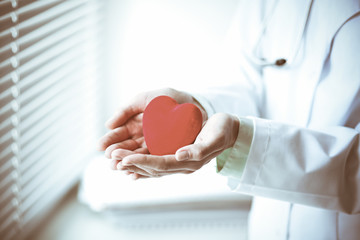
x,y
232,161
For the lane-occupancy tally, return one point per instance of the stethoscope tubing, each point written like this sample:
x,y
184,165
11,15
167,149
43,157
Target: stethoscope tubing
x,y
281,61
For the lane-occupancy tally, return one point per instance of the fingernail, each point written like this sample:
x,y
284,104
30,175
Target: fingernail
x,y
182,156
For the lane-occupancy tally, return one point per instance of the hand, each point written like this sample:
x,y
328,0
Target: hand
x,y
219,133
125,136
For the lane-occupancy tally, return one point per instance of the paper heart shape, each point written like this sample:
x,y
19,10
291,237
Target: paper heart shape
x,y
168,126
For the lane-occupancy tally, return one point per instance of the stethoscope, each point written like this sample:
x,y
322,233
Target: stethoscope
x,y
261,61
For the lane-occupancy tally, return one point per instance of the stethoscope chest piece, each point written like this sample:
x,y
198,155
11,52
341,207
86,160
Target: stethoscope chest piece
x,y
280,62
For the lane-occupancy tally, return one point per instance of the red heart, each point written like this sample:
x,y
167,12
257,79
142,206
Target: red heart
x,y
168,126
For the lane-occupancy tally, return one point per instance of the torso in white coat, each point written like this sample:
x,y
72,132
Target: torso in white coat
x,y
303,166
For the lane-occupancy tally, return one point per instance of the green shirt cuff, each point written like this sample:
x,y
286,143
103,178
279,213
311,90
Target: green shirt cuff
x,y
231,162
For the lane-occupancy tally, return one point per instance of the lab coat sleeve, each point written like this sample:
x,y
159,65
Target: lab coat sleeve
x,y
315,168
318,165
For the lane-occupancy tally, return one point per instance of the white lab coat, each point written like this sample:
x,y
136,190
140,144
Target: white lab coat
x,y
303,165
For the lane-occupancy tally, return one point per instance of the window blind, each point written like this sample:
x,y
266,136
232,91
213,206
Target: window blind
x,y
50,66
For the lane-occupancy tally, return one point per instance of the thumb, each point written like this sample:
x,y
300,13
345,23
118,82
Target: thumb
x,y
195,152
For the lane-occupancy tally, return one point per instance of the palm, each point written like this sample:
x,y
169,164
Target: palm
x,y
126,136
134,129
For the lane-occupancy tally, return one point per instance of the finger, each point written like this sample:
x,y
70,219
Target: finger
x,y
201,149
195,152
113,164
128,144
119,154
141,170
136,176
160,163
134,169
150,172
141,142
166,163
142,150
114,136
136,106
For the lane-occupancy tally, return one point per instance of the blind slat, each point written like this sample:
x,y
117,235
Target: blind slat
x,y
48,76
40,104
58,176
62,44
6,97
6,141
6,83
50,72
7,212
61,69
47,138
30,166
49,62
5,146
6,37
5,7
9,227
6,168
34,207
29,24
6,113
6,53
5,126
6,183
23,3
8,66
50,29
79,30
50,56
52,93
6,22
5,155
48,167
66,20
35,9
7,200
51,127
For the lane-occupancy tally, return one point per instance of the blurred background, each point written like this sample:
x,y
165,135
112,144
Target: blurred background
x,y
66,66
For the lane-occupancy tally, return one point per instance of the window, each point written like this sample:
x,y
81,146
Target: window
x,y
50,66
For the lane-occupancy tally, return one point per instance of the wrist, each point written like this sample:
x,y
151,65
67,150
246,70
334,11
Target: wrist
x,y
235,128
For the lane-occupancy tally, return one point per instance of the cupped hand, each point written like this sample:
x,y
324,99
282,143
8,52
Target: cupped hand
x,y
219,133
125,136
